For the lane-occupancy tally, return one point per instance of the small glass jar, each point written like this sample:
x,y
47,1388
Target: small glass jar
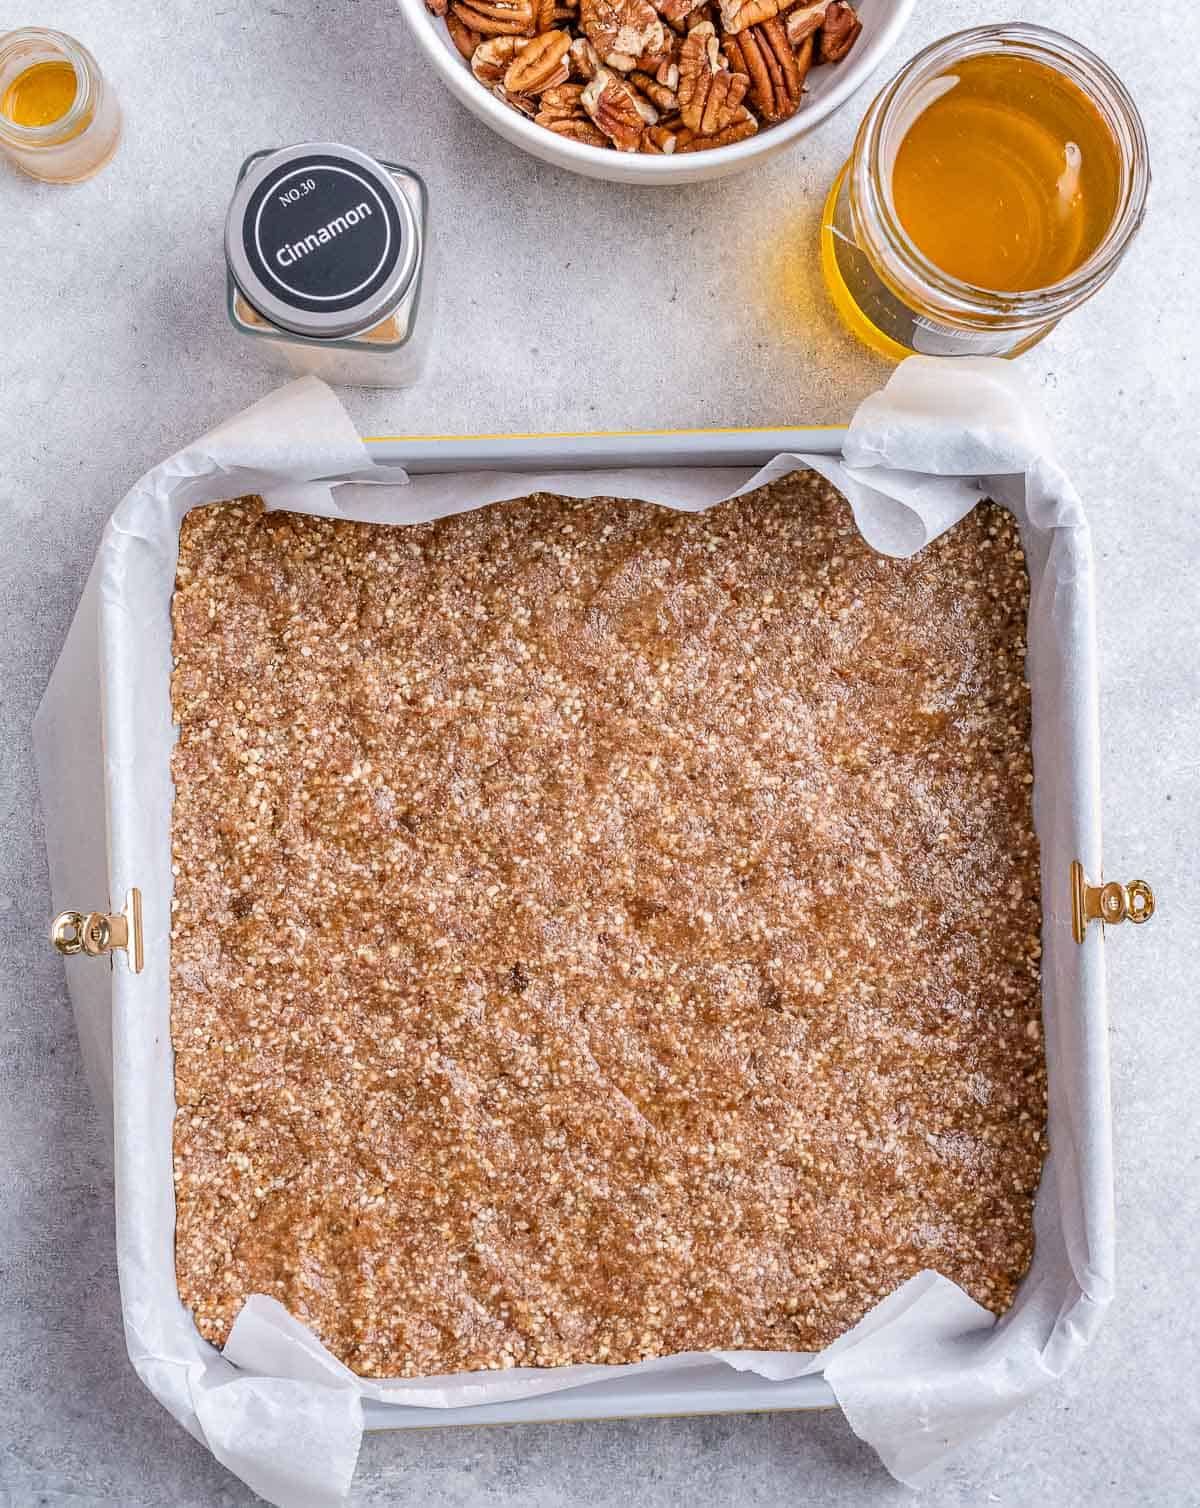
x,y
72,145
895,299
326,251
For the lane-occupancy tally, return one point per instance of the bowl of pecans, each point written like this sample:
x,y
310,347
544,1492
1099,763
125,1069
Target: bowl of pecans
x,y
654,91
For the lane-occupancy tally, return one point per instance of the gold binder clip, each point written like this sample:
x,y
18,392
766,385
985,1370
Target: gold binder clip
x,y
97,933
1111,903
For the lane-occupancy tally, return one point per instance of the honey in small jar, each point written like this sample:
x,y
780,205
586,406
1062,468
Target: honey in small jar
x,y
40,94
994,185
59,120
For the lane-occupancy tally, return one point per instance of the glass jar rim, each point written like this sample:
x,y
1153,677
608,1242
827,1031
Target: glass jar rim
x,y
877,225
80,60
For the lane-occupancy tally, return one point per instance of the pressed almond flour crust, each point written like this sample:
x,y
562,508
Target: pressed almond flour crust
x,y
600,931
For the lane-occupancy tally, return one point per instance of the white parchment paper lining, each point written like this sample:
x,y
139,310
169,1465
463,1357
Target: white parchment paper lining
x,y
928,1369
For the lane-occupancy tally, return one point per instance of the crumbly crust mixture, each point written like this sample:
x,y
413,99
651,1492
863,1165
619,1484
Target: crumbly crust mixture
x,y
600,931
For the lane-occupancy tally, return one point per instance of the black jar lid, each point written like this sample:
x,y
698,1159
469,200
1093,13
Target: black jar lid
x,y
320,240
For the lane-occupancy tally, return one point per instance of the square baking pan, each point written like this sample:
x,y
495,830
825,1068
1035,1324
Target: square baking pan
x,y
136,879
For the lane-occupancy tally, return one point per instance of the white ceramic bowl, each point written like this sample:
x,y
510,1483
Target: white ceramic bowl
x,y
827,89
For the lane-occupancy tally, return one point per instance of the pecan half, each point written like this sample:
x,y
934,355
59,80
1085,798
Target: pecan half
x,y
625,33
496,18
561,102
491,59
521,103
736,15
659,95
584,61
676,12
580,130
839,32
776,73
710,96
548,13
539,65
462,36
616,109
661,141
804,21
739,129
436,7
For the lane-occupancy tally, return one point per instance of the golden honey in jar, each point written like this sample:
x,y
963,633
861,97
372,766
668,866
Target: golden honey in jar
x,y
59,119
995,185
40,94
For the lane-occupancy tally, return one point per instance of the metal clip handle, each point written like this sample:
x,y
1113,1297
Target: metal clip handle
x,y
1112,902
97,933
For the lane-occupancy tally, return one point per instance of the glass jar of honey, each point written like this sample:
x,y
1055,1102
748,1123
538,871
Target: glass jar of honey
x,y
995,185
59,119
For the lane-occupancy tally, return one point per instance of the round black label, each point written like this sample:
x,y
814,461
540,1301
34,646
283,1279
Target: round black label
x,y
322,233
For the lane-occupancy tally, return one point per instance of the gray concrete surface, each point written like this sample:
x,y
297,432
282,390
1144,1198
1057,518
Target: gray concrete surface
x,y
573,305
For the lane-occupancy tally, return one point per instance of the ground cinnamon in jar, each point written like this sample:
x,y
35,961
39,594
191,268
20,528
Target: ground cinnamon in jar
x,y
327,251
